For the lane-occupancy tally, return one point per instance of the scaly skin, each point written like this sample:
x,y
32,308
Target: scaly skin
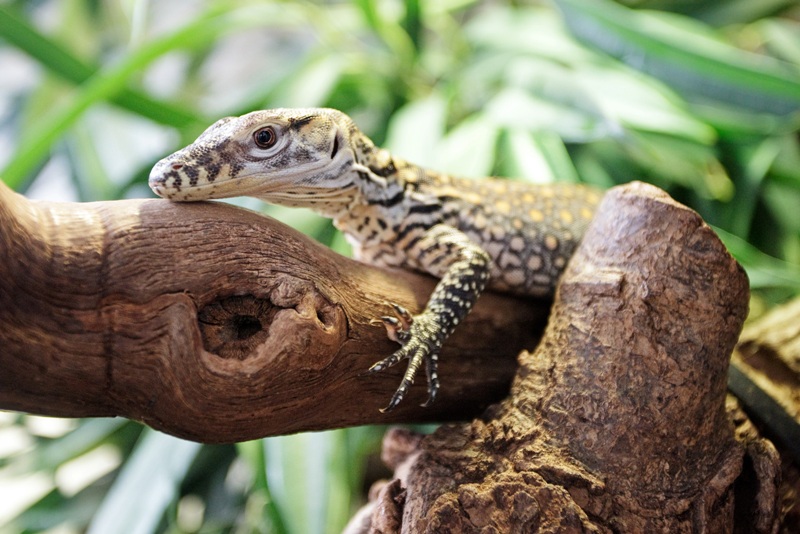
x,y
510,236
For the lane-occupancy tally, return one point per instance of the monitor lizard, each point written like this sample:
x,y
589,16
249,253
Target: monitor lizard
x,y
511,236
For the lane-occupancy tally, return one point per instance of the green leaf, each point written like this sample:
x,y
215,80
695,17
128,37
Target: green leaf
x,y
101,86
681,53
749,165
469,149
147,485
763,270
309,481
536,157
416,130
782,38
90,434
727,12
638,102
253,452
313,85
60,61
516,108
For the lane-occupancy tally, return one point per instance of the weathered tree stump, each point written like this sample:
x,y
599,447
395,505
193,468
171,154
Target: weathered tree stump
x,y
617,422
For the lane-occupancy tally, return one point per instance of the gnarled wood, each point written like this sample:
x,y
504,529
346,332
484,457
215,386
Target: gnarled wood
x,y
617,422
217,324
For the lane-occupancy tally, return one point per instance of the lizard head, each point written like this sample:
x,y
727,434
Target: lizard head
x,y
292,157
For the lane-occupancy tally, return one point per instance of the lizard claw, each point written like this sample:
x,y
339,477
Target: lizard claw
x,y
396,327
406,319
420,344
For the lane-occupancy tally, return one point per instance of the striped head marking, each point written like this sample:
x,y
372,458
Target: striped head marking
x,y
293,157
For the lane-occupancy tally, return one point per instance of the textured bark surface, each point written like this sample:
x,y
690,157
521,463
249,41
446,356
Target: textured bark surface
x,y
617,422
217,324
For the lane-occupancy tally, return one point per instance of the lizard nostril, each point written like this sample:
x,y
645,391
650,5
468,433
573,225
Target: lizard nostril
x,y
177,166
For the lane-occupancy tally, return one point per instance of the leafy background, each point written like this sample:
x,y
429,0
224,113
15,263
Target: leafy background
x,y
700,98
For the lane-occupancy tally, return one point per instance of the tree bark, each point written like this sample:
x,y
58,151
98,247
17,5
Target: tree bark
x,y
617,422
217,324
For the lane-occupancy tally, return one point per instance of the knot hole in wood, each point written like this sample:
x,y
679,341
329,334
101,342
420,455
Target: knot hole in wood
x,y
232,327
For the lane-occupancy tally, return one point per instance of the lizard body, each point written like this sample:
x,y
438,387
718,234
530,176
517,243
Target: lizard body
x,y
510,236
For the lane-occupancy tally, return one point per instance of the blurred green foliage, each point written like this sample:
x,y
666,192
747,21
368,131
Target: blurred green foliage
x,y
699,98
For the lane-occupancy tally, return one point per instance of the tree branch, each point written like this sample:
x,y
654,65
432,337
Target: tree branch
x,y
217,324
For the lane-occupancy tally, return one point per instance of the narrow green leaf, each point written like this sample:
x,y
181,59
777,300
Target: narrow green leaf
x,y
416,129
306,484
536,157
763,270
253,452
782,38
88,435
635,101
61,62
728,12
313,85
147,485
752,163
412,22
100,87
676,51
469,149
520,108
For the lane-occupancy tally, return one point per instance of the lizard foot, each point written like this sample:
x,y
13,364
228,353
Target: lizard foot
x,y
419,337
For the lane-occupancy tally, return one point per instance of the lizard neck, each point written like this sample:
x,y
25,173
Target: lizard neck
x,y
386,188
376,177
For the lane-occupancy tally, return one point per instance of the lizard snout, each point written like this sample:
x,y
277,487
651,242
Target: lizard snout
x,y
166,175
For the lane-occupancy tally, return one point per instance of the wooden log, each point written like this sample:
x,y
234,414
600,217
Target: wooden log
x,y
617,422
217,324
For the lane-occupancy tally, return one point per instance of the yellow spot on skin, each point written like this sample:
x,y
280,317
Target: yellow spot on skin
x,y
500,188
586,213
510,260
551,242
503,207
515,277
498,232
527,197
536,215
566,216
479,222
560,262
546,192
517,223
534,263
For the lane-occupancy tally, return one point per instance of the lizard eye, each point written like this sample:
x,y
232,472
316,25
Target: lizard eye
x,y
265,137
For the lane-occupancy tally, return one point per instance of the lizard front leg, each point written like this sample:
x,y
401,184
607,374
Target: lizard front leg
x,y
464,267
